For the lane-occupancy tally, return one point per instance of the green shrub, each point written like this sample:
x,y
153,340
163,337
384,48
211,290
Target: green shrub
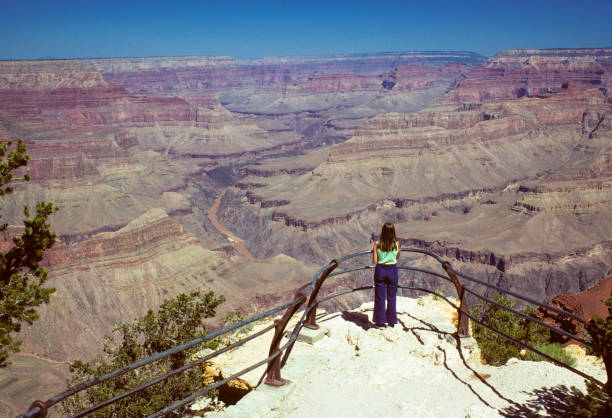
x,y
554,350
178,320
494,348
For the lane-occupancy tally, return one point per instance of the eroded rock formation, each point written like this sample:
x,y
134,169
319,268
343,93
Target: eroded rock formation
x,y
485,170
518,73
315,152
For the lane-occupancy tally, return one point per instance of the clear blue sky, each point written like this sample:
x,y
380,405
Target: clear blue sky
x,y
256,28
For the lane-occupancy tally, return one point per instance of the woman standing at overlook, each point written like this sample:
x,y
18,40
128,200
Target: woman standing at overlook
x,y
385,254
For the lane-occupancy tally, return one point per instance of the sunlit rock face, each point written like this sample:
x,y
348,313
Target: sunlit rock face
x,y
105,154
585,305
323,98
48,75
116,276
362,370
518,73
524,178
315,152
180,75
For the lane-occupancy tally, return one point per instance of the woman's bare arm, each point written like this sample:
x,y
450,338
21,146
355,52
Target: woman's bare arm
x,y
399,250
374,253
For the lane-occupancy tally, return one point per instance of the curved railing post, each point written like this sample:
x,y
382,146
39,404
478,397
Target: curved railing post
x,y
463,325
273,372
311,318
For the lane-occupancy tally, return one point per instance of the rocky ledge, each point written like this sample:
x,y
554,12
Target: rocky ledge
x,y
586,305
416,368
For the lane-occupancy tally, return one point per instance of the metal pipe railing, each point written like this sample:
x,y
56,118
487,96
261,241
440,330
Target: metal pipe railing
x,y
276,360
196,395
508,337
171,373
519,296
527,347
41,407
530,318
207,389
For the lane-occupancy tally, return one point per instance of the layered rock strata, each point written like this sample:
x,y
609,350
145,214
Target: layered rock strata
x,y
116,276
434,153
511,186
484,170
518,73
322,98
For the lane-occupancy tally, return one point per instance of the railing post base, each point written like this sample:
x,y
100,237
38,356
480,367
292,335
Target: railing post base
x,y
273,372
273,377
311,318
276,382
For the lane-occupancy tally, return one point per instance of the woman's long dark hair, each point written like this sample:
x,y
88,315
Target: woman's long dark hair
x,y
387,237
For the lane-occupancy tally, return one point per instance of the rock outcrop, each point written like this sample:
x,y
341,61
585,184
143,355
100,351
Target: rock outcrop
x,y
116,276
416,368
322,98
519,73
585,305
48,75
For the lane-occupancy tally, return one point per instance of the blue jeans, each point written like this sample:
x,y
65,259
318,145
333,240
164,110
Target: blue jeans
x,y
385,288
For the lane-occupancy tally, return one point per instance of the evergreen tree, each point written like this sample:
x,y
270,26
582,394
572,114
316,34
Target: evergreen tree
x,y
494,348
21,276
597,402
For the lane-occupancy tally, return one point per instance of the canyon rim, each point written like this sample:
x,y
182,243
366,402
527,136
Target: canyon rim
x,y
501,165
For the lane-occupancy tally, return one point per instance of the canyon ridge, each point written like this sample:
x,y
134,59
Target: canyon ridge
x,y
245,176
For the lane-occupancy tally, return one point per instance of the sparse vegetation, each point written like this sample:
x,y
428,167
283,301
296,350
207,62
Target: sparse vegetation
x,y
494,348
439,291
177,321
21,276
235,317
554,350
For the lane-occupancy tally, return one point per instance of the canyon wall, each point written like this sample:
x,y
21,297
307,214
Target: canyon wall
x,y
488,169
503,167
323,98
134,151
517,73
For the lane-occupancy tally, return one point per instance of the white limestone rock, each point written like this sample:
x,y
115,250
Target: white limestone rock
x,y
414,369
